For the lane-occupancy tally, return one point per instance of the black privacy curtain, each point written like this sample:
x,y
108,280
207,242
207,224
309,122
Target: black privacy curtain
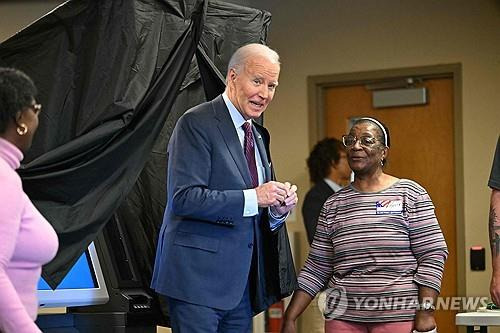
x,y
113,78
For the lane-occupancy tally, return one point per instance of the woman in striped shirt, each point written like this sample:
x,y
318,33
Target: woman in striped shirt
x,y
378,248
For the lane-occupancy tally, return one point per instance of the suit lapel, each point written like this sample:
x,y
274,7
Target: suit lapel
x,y
262,152
228,132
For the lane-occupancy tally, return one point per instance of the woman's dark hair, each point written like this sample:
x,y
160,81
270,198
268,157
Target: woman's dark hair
x,y
17,91
381,127
323,154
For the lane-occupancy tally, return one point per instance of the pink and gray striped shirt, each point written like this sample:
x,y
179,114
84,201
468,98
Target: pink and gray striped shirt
x,y
374,250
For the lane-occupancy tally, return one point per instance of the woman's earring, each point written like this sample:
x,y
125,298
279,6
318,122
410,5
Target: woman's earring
x,y
22,129
382,162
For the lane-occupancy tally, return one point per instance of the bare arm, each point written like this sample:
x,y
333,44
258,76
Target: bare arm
x,y
300,301
424,319
431,252
494,231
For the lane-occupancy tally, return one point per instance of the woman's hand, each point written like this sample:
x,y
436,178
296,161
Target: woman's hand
x,y
288,326
424,321
300,301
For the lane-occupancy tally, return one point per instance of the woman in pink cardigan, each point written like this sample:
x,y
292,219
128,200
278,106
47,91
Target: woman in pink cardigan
x,y
27,240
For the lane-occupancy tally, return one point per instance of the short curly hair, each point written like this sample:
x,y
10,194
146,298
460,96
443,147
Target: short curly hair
x,y
17,91
321,157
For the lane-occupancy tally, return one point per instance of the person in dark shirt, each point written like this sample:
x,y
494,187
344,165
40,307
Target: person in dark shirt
x,y
329,171
494,225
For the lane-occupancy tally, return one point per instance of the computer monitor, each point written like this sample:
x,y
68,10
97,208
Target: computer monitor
x,y
83,285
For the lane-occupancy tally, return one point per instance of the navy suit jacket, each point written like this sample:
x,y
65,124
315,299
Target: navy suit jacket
x,y
207,251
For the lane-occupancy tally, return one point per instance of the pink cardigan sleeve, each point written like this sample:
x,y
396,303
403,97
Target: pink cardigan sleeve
x,y
13,315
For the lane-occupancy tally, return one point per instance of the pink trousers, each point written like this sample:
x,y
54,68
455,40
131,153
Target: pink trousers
x,y
341,326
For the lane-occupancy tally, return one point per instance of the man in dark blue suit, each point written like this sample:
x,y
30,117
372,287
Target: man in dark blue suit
x,y
223,253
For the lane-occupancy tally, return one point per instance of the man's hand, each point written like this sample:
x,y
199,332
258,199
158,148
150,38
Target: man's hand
x,y
289,202
271,194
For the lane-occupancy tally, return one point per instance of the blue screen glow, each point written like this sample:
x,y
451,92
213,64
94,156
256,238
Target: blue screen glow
x,y
79,277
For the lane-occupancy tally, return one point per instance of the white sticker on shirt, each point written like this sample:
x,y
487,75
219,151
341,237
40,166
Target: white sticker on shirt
x,y
389,207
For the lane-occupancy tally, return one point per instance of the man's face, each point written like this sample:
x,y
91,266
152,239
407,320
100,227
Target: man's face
x,y
342,168
252,89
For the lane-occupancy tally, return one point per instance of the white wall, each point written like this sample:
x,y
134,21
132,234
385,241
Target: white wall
x,y
336,36
14,15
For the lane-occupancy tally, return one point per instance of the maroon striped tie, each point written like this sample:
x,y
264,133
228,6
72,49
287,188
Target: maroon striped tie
x,y
249,147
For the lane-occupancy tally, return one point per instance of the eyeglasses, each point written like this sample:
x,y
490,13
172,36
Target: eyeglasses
x,y
366,141
36,107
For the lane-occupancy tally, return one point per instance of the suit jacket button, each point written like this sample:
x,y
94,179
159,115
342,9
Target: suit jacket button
x,y
250,245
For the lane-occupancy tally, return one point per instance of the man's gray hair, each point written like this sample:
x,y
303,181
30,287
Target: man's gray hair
x,y
239,57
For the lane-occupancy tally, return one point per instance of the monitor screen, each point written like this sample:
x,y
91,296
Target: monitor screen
x,y
83,285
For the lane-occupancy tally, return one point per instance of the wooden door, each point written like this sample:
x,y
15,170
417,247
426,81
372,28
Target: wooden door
x,y
422,149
